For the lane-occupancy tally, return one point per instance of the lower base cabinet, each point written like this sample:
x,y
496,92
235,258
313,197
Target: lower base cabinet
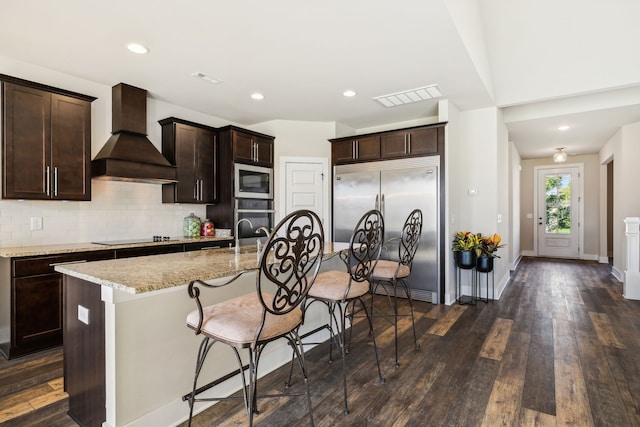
x,y
34,299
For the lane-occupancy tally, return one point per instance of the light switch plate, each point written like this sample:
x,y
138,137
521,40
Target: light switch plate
x,y
83,314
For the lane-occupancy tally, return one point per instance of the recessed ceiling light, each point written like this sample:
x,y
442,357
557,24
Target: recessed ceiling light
x,y
206,78
349,93
563,128
138,48
257,95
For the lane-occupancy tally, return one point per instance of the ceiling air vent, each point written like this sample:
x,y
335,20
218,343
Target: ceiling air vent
x,y
409,96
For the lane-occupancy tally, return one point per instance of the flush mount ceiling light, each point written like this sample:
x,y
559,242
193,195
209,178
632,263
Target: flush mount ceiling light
x,y
258,96
559,156
137,48
349,93
409,96
563,128
206,78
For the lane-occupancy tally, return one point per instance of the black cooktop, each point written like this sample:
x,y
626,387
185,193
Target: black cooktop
x,y
133,241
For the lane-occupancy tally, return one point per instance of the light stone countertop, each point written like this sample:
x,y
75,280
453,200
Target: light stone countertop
x,y
154,272
39,250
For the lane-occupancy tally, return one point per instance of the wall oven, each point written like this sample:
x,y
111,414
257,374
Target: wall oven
x,y
259,212
253,182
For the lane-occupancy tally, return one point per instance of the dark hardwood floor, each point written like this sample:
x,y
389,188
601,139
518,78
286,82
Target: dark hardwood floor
x,y
561,347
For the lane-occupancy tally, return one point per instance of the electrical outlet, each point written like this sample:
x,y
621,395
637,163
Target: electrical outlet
x,y
36,223
472,191
83,314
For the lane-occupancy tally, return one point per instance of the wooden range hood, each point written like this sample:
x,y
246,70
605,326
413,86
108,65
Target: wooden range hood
x,y
128,155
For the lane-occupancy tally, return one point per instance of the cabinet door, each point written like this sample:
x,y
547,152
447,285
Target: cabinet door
x,y
37,305
70,148
26,143
243,150
394,144
264,151
423,141
186,141
206,166
368,148
342,151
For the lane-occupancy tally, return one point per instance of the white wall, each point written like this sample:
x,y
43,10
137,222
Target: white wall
x,y
477,159
515,168
624,147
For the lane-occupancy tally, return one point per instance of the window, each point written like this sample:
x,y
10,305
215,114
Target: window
x,y
558,203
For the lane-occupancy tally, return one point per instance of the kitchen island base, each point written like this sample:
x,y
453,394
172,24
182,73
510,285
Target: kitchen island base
x,y
145,362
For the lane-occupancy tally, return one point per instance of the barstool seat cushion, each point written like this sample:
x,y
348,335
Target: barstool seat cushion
x,y
236,321
386,269
331,285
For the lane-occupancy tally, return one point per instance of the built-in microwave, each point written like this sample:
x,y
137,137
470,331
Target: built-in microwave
x,y
253,182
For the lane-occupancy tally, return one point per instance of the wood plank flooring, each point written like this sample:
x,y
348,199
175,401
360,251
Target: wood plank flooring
x,y
561,347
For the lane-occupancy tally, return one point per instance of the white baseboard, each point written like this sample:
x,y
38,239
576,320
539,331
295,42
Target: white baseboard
x,y
603,260
528,253
617,274
590,257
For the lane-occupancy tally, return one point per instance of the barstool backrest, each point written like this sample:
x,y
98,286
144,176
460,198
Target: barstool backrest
x,y
365,245
290,261
410,238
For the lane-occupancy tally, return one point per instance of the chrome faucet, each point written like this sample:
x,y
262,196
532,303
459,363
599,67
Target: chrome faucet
x,y
238,233
265,229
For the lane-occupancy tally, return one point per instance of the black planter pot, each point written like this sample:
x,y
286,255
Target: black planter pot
x,y
465,259
484,264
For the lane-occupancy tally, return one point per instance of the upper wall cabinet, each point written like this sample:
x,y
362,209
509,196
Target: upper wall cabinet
x,y
418,141
249,147
191,147
355,149
46,142
411,142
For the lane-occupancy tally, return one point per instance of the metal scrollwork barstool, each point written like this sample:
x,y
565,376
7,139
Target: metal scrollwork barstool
x,y
288,266
341,290
395,272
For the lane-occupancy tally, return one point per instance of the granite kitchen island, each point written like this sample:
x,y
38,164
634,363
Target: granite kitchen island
x,y
129,356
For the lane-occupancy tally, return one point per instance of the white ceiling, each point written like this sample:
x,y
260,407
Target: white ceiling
x,y
546,62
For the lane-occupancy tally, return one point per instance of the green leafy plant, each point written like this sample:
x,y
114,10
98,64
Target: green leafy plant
x,y
489,245
465,241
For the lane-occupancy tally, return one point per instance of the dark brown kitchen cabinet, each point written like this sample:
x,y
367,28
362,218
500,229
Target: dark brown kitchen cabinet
x,y
191,147
250,147
46,142
410,142
425,140
36,301
355,149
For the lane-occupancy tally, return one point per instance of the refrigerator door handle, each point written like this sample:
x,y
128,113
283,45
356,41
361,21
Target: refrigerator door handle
x,y
382,205
376,204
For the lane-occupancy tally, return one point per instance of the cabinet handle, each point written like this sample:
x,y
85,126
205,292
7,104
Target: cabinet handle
x,y
409,138
257,152
195,190
405,143
55,181
47,173
353,149
357,149
201,190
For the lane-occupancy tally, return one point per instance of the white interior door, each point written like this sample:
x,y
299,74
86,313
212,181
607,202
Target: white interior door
x,y
305,187
559,211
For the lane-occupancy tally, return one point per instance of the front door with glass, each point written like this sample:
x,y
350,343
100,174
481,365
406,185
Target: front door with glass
x,y
558,212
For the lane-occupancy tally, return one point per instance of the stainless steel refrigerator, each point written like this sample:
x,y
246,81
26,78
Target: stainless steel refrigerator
x,y
396,187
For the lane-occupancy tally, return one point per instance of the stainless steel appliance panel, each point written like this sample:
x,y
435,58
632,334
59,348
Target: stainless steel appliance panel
x,y
353,195
396,187
401,192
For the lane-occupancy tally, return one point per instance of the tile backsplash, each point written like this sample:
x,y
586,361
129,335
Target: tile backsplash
x,y
118,210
